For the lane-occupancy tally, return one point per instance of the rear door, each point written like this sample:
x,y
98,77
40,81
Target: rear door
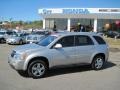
x,y
84,48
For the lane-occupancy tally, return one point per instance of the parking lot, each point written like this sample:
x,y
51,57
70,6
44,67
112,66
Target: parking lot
x,y
77,78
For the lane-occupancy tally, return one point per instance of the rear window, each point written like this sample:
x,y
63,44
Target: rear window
x,y
35,38
2,33
29,38
99,40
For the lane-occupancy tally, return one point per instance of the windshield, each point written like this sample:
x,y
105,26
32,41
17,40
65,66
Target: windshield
x,y
47,40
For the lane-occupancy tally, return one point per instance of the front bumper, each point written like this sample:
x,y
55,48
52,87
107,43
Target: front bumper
x,y
16,64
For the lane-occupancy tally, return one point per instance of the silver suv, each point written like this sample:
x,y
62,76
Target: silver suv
x,y
60,49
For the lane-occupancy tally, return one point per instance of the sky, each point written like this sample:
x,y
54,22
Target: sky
x,y
27,10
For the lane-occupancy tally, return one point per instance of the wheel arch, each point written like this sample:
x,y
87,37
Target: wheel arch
x,y
38,58
98,54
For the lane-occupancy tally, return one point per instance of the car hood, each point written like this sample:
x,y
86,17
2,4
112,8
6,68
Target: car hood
x,y
28,47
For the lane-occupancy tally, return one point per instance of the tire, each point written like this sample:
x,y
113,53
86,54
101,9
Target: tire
x,y
20,42
23,73
37,69
98,63
2,40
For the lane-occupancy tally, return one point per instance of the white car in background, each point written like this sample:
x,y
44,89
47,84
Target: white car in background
x,y
4,34
18,38
34,38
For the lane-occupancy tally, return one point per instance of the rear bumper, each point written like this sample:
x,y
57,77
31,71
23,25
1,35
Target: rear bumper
x,y
12,42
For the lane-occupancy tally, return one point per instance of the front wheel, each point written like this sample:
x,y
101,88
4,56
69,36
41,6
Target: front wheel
x,y
98,63
37,69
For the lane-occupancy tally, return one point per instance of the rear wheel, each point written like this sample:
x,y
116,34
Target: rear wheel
x,y
2,40
20,42
98,63
37,69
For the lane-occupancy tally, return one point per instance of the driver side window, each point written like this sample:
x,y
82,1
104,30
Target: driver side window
x,y
67,41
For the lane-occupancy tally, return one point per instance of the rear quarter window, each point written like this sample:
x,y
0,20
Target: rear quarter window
x,y
99,40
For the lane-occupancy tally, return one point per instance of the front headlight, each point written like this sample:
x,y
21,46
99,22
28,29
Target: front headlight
x,y
17,56
24,56
20,56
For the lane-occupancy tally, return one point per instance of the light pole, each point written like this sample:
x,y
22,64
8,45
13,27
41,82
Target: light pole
x,y
2,20
10,23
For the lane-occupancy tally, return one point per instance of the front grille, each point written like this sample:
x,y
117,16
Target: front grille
x,y
13,53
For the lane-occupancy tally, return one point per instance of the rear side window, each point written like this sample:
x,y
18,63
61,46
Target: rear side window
x,y
99,40
82,40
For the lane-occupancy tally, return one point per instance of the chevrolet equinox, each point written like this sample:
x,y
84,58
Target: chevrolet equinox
x,y
60,49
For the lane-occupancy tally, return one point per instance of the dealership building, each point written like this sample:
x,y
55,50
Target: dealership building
x,y
64,18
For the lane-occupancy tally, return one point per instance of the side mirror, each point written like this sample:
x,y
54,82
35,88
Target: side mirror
x,y
57,46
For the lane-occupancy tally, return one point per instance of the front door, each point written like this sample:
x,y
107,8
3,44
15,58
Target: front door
x,y
66,54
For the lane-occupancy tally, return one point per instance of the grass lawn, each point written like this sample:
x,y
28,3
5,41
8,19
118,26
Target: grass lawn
x,y
113,43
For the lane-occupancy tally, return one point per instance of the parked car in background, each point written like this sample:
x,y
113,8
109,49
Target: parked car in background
x,y
112,34
60,49
41,32
4,34
34,38
19,38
